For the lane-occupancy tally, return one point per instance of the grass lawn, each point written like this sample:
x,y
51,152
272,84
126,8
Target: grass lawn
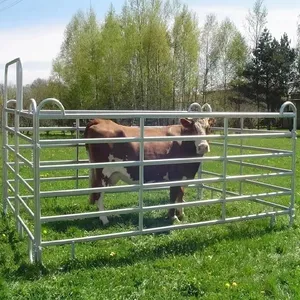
x,y
244,260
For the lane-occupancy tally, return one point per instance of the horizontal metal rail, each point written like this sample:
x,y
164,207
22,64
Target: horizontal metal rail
x,y
57,162
84,177
21,146
246,147
58,142
77,216
44,167
45,143
146,186
60,178
266,155
10,110
23,196
205,172
12,163
257,166
84,114
249,165
268,185
163,228
82,128
54,128
233,129
253,197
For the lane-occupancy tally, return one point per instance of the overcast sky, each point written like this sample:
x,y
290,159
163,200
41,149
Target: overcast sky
x,y
33,29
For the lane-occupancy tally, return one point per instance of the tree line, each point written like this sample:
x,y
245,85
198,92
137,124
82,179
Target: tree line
x,y
155,55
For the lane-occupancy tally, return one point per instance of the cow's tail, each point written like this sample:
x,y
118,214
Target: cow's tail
x,y
86,131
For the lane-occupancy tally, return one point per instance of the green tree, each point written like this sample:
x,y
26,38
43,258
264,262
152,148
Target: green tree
x,y
284,62
112,60
257,20
272,68
232,55
210,53
79,63
185,37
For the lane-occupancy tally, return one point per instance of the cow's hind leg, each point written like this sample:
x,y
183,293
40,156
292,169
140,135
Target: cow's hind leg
x,y
93,183
96,180
100,205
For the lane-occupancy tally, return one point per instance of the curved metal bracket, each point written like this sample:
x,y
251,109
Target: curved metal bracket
x,y
207,107
286,104
195,107
11,101
49,100
198,108
32,106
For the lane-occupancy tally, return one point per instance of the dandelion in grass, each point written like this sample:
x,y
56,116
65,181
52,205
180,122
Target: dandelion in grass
x,y
227,285
112,254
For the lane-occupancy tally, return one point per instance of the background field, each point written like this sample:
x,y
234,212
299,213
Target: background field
x,y
245,260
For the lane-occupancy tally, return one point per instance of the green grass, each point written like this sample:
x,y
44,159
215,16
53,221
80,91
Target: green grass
x,y
244,260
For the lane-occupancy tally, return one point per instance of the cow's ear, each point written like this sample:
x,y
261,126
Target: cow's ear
x,y
186,122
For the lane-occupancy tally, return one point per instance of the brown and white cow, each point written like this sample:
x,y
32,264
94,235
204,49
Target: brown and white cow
x,y
129,151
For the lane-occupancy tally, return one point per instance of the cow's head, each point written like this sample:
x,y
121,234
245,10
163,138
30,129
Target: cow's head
x,y
198,127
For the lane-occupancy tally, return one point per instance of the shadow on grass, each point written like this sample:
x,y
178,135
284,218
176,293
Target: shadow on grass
x,y
124,221
187,246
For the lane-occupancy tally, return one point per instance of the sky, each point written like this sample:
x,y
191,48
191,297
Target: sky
x,y
33,30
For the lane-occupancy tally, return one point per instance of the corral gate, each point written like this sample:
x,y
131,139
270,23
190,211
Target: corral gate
x,y
23,155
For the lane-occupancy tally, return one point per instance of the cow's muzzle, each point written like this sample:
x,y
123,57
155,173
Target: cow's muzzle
x,y
203,148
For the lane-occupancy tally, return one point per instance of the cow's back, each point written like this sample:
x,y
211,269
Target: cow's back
x,y
129,151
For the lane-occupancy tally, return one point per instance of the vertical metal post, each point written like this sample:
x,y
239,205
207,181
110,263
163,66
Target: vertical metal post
x,y
200,186
141,174
4,145
36,178
19,107
224,167
241,153
5,159
77,151
293,179
30,250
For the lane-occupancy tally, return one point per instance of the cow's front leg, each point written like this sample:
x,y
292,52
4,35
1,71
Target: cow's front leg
x,y
100,205
176,192
180,211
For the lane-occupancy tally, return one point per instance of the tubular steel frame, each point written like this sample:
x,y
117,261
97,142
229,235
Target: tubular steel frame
x,y
36,113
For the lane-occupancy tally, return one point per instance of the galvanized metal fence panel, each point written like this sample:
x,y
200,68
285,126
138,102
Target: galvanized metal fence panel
x,y
14,184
